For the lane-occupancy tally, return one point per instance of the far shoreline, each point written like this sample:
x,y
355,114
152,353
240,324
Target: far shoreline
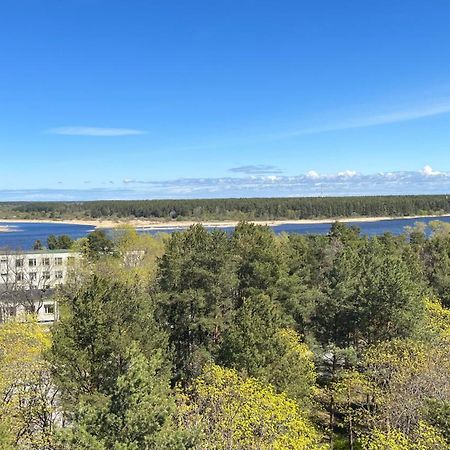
x,y
164,225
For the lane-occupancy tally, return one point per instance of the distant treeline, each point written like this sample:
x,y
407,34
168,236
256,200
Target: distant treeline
x,y
239,208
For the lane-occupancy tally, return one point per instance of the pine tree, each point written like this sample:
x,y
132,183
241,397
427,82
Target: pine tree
x,y
257,345
197,285
97,326
139,414
260,262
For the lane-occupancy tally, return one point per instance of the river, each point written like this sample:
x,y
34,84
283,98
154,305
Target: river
x,y
22,235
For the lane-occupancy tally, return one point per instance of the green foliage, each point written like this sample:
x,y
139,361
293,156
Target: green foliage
x,y
293,370
249,342
109,362
436,258
263,332
99,243
239,209
38,245
389,295
334,318
6,437
257,345
98,324
59,242
197,285
139,414
367,290
438,414
259,259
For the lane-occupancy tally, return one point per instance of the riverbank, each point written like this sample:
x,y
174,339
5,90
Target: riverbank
x,y
155,224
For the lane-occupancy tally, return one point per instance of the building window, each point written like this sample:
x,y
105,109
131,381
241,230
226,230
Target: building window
x,y
49,309
19,276
33,276
46,261
58,261
19,262
32,262
59,274
46,275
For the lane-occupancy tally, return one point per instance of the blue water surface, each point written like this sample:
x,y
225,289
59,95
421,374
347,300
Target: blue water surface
x,y
22,235
374,228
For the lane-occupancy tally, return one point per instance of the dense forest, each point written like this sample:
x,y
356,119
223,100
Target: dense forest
x,y
207,340
235,209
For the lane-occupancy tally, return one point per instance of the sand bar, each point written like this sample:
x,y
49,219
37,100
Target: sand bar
x,y
6,229
156,224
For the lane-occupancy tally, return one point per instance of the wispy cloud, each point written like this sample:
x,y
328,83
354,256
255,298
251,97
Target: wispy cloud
x,y
65,194
95,131
430,109
349,119
257,169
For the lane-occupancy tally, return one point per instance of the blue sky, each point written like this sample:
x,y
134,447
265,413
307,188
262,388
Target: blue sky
x,y
161,99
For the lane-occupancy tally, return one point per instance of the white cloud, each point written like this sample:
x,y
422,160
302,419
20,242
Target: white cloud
x,y
95,131
347,173
348,182
309,184
429,172
313,175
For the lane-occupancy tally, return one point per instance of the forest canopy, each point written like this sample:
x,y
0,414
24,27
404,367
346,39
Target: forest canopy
x,y
235,208
206,340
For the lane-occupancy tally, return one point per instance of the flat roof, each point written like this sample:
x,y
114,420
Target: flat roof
x,y
6,252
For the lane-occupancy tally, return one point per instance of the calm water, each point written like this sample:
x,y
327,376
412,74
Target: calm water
x,y
375,228
23,235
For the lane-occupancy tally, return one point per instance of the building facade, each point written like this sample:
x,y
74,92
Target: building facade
x,y
28,278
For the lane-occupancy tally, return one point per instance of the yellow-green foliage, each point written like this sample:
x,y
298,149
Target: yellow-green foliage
x,y
127,239
425,438
243,414
21,347
138,253
134,259
391,439
352,388
23,396
408,374
437,320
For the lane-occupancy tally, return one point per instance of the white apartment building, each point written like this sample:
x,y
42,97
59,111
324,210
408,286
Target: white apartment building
x,y
27,278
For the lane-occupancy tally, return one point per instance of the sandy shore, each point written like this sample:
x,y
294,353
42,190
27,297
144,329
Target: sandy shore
x,y
142,223
6,229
